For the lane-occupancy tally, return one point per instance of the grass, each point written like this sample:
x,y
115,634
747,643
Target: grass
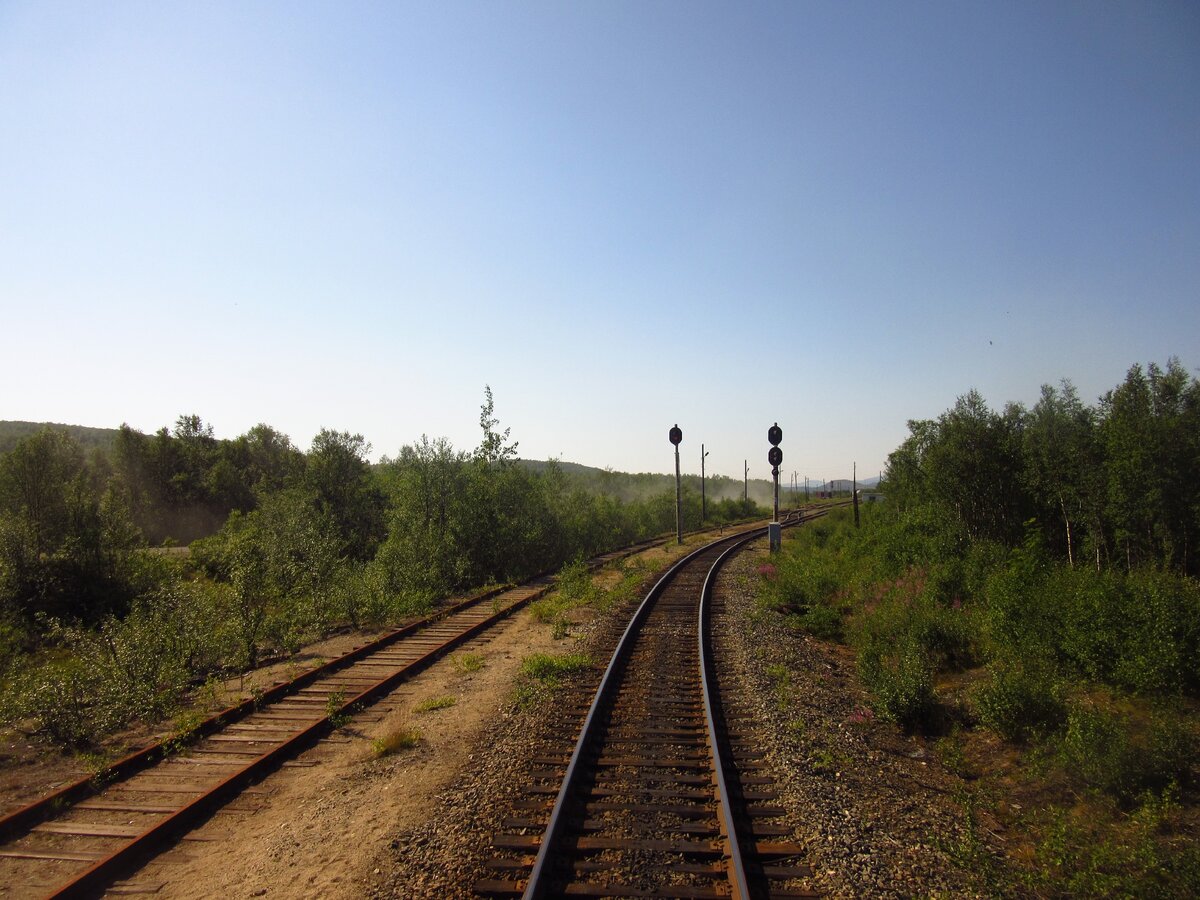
x,y
542,674
403,738
578,587
466,663
435,703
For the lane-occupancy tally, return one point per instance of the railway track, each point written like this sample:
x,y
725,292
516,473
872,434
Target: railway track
x,y
79,840
664,792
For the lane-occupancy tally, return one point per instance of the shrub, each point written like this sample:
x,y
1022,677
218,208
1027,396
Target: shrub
x,y
1111,753
901,680
60,696
822,622
1139,631
1019,702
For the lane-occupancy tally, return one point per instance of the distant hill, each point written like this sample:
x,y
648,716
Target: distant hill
x,y
12,432
845,484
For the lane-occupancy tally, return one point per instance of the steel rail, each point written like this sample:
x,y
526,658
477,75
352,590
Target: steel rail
x,y
539,883
735,866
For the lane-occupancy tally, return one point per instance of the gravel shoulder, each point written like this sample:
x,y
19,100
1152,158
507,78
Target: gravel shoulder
x,y
874,807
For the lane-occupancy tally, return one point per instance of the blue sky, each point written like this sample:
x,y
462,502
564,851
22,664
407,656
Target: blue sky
x,y
619,215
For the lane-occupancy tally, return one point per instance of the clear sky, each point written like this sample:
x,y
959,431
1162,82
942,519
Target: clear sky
x,y
620,215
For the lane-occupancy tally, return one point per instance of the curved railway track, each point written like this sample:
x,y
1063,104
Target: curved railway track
x,y
663,794
79,840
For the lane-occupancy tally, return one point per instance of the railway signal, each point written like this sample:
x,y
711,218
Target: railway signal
x,y
675,436
775,458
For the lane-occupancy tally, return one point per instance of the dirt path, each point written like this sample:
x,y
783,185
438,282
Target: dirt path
x,y
317,827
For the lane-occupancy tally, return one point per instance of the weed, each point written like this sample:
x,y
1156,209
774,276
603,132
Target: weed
x,y
186,730
466,663
338,717
98,765
541,674
780,674
967,849
823,762
861,715
954,759
434,703
552,670
404,738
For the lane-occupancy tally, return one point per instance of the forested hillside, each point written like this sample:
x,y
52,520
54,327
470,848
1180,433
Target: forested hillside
x,y
12,432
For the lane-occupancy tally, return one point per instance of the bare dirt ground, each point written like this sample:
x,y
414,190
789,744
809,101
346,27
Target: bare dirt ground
x,y
321,822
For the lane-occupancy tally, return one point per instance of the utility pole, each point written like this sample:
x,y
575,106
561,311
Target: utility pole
x,y
856,495
676,435
805,488
746,476
703,506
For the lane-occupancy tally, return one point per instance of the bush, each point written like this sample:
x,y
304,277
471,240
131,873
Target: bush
x,y
60,695
822,622
1111,753
1018,702
901,680
1139,631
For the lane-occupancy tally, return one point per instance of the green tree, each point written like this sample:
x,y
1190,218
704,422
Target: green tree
x,y
428,511
267,459
339,473
968,465
1063,468
492,448
281,561
64,546
1150,426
